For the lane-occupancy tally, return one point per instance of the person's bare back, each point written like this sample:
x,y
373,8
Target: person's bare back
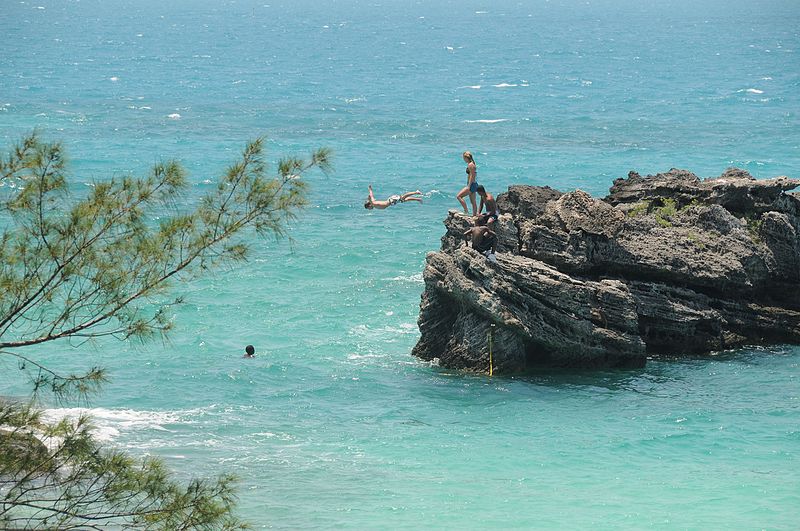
x,y
483,239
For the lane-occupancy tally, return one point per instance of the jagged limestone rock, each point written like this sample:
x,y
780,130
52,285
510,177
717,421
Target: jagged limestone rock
x,y
665,264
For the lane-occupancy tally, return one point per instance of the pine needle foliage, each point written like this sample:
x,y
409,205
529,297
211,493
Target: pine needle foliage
x,y
105,264
55,476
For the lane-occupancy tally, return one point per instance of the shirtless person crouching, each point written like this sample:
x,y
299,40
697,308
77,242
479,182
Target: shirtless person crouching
x,y
484,240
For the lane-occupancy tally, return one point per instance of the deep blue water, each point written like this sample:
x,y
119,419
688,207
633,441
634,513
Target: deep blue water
x,y
335,424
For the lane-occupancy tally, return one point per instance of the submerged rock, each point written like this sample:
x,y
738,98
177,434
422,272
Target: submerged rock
x,y
665,264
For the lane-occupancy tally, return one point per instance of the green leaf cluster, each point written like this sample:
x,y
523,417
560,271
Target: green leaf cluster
x,y
754,223
639,209
666,211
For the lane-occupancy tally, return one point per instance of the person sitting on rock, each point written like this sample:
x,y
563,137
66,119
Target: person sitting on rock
x,y
492,212
371,202
484,240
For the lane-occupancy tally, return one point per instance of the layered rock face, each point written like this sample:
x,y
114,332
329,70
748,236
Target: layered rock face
x,y
665,264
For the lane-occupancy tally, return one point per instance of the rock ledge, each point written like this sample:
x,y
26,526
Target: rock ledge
x,y
665,264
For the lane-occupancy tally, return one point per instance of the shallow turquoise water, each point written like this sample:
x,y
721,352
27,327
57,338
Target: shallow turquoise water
x,y
335,424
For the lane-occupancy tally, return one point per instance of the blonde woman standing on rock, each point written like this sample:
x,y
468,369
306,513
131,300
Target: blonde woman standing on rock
x,y
472,184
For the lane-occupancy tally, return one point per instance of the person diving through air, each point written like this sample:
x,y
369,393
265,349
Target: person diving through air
x,y
371,202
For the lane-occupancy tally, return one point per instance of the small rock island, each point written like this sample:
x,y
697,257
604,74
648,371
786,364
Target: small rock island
x,y
667,264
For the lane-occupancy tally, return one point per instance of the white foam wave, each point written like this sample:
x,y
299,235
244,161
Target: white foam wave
x,y
174,116
416,278
755,91
109,423
496,121
363,330
473,87
113,78
404,328
364,356
504,85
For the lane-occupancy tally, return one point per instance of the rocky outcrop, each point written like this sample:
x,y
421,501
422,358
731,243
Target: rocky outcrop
x,y
665,264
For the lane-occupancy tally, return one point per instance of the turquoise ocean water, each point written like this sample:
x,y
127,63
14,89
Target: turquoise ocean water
x,y
334,424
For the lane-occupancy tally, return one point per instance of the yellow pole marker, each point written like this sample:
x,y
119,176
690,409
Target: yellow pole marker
x,y
491,336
